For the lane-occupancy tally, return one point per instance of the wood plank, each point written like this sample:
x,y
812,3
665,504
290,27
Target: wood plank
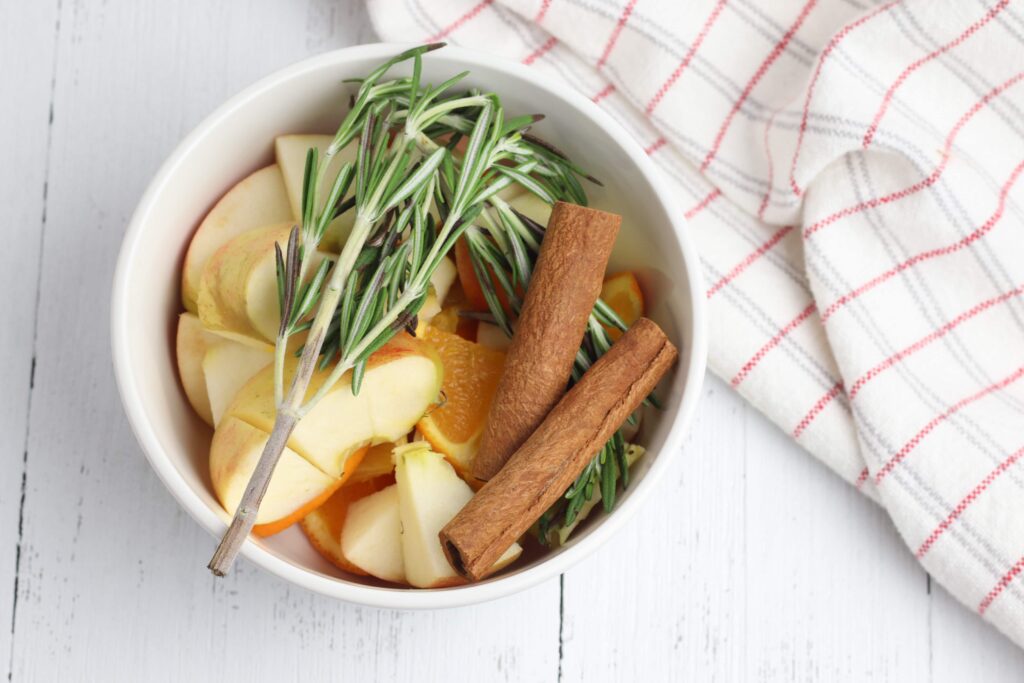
x,y
24,138
664,599
753,563
965,648
112,575
833,593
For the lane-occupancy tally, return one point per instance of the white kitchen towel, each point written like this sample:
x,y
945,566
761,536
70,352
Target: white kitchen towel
x,y
850,173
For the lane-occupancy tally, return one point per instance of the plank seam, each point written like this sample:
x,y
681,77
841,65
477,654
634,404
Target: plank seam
x,y
35,339
561,623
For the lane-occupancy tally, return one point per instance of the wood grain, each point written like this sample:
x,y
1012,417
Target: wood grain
x,y
25,97
756,563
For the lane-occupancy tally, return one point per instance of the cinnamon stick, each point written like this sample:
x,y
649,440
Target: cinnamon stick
x,y
566,282
556,453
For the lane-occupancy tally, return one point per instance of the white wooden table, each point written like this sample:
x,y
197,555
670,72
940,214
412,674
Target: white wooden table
x,y
753,563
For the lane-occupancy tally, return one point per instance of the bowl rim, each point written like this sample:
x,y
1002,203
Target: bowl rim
x,y
403,598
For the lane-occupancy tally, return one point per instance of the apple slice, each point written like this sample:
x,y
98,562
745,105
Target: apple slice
x,y
295,488
532,206
323,525
440,284
402,380
291,153
443,279
227,366
192,342
372,536
238,289
259,199
377,462
430,494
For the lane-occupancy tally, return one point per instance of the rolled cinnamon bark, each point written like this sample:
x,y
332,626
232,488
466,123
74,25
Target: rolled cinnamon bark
x,y
565,283
556,453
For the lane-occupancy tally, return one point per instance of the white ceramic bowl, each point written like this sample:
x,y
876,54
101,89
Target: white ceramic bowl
x,y
238,138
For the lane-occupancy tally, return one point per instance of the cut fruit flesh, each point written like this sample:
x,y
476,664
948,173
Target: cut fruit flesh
x,y
291,153
402,380
377,462
323,526
234,452
471,376
430,494
227,366
623,295
191,344
533,207
440,284
372,536
238,290
259,199
271,528
442,279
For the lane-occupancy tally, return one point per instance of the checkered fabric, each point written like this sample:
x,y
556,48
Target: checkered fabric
x,y
850,175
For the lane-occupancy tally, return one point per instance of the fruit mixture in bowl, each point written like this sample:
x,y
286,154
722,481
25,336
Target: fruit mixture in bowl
x,y
406,340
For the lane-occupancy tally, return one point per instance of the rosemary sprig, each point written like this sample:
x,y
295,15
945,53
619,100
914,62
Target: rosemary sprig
x,y
350,308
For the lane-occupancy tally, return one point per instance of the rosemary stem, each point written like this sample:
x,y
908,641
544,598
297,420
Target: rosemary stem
x,y
280,349
288,410
248,508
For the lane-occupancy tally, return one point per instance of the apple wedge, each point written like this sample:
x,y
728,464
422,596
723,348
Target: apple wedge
x,y
430,494
532,206
259,199
191,346
372,536
323,525
440,284
377,462
227,366
238,288
402,380
296,487
291,153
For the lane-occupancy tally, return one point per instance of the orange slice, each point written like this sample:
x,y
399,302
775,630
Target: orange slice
x,y
323,525
622,293
271,528
471,374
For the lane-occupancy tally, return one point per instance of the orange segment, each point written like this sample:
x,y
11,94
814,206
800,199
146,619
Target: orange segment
x,y
622,293
323,525
471,374
449,320
446,321
271,528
